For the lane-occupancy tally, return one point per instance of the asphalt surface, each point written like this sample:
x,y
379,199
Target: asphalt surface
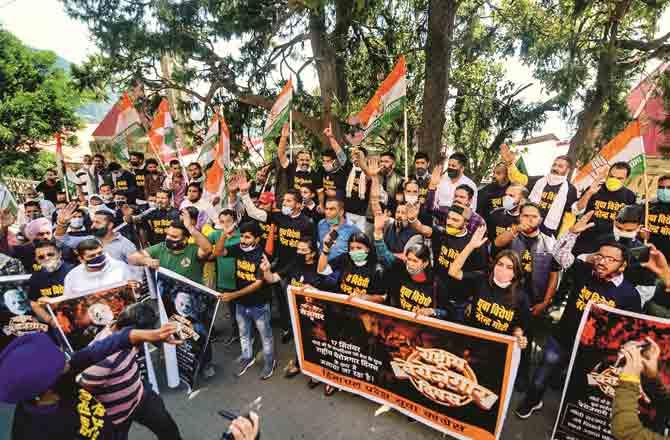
x,y
290,410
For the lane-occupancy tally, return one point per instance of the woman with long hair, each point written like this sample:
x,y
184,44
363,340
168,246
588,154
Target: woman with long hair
x,y
499,302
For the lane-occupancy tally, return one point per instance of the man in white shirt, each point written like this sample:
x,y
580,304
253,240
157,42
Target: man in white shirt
x,y
453,179
194,198
96,270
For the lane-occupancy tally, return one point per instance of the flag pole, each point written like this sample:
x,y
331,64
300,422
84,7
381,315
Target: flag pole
x,y
62,172
405,141
290,135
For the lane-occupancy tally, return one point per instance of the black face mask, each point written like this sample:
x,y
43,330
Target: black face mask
x,y
98,232
175,245
452,173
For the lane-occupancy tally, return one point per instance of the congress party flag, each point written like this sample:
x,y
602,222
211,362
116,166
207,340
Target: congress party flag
x,y
128,126
627,146
209,145
386,105
162,134
280,111
214,180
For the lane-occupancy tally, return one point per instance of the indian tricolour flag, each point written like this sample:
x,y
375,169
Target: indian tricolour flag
x,y
162,134
280,112
128,127
212,139
627,146
386,105
214,177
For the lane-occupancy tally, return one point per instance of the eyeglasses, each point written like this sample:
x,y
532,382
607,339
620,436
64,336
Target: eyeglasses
x,y
45,256
607,259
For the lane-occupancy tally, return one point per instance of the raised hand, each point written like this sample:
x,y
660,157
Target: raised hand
x,y
412,212
598,181
233,183
507,155
583,223
657,263
373,166
186,218
285,130
479,237
380,221
6,218
243,183
436,176
328,131
265,264
65,214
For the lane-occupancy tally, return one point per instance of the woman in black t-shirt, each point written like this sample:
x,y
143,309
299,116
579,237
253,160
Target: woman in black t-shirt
x,y
499,303
408,281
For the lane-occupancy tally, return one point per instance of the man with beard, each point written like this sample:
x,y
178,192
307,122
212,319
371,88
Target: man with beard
x,y
195,175
96,174
606,197
334,221
455,177
421,174
49,281
34,206
155,221
194,198
389,179
490,197
600,280
138,170
299,172
50,186
40,229
335,167
554,194
153,179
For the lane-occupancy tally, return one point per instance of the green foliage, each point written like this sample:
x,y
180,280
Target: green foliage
x,y
26,166
37,98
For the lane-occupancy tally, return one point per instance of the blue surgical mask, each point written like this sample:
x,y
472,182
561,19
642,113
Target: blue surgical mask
x,y
96,262
663,195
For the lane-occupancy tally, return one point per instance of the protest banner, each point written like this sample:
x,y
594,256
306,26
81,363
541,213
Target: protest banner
x,y
192,307
434,371
586,406
16,315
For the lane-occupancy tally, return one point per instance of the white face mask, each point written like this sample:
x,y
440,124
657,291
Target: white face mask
x,y
502,284
509,203
619,234
554,179
412,199
77,223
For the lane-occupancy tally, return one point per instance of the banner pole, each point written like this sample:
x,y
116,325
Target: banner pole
x,y
405,141
290,135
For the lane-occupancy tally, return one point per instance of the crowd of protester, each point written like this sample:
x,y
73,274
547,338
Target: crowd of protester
x,y
349,224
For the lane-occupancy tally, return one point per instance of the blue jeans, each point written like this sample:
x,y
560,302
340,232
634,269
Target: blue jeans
x,y
554,356
260,316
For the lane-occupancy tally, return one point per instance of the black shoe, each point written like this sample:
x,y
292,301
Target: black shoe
x,y
526,409
521,384
286,336
244,365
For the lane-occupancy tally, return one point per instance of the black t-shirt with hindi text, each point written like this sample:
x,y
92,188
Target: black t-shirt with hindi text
x,y
445,250
353,203
48,284
491,310
499,221
659,226
489,198
358,280
336,180
289,231
406,292
247,272
156,223
298,178
549,194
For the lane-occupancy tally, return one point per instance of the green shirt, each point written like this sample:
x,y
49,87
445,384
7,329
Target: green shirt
x,y
225,266
184,262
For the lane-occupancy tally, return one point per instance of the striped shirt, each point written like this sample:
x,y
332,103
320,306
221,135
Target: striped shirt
x,y
115,382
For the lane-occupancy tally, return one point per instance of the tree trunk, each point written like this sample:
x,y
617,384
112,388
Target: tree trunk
x,y
581,144
441,18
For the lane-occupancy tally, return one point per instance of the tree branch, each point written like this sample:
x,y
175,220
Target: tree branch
x,y
645,46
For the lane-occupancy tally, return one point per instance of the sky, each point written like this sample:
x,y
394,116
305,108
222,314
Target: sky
x,y
43,24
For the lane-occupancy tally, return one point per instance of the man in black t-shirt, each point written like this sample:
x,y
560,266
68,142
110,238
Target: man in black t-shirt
x,y
299,172
490,197
504,218
137,169
447,243
605,197
50,186
48,282
659,216
155,221
252,298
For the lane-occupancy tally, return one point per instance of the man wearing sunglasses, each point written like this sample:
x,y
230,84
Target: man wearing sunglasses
x,y
600,278
48,282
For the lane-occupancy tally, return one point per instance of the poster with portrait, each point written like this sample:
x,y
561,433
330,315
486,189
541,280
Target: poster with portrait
x,y
81,316
593,375
434,371
16,315
193,308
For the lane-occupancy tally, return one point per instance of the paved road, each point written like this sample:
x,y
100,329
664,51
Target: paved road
x,y
292,411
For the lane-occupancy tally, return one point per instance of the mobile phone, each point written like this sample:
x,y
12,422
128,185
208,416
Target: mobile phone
x,y
640,253
254,406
